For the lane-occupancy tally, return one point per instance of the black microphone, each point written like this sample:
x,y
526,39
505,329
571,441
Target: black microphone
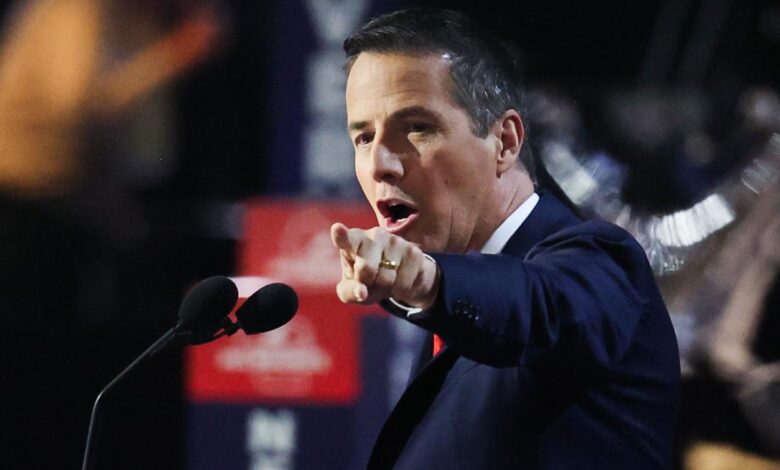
x,y
200,316
205,307
267,309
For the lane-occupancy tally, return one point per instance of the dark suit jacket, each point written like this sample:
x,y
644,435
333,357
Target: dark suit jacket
x,y
560,355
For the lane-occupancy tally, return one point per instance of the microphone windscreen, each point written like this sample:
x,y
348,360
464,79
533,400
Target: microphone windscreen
x,y
206,305
267,309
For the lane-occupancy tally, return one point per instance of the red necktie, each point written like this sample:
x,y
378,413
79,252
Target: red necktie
x,y
437,344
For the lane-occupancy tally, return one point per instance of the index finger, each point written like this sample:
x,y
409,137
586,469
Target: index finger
x,y
346,239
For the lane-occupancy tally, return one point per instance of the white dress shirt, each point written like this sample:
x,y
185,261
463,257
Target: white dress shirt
x,y
509,226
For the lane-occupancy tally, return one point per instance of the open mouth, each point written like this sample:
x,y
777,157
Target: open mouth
x,y
399,212
396,213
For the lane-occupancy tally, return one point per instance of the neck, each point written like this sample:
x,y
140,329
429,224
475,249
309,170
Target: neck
x,y
512,189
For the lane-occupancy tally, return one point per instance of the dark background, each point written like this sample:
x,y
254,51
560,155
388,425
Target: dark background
x,y
60,346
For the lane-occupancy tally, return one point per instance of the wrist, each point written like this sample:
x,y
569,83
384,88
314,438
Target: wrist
x,y
429,288
431,279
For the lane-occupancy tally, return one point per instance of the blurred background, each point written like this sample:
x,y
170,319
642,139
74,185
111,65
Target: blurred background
x,y
147,144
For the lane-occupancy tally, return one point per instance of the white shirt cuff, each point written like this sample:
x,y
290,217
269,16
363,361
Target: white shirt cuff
x,y
412,313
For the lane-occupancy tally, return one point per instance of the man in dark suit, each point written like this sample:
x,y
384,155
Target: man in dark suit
x,y
558,351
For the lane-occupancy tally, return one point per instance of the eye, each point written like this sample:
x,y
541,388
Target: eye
x,y
364,138
418,127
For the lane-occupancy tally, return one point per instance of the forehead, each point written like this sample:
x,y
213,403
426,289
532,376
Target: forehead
x,y
382,82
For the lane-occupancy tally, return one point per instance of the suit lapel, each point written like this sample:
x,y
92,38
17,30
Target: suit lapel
x,y
548,217
424,356
410,409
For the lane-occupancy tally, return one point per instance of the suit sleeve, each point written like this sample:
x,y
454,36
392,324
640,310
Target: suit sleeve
x,y
573,303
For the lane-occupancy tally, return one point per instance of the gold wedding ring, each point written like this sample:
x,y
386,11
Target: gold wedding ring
x,y
388,264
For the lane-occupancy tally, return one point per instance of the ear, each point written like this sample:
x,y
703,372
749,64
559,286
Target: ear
x,y
511,134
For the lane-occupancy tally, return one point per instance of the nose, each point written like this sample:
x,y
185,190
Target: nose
x,y
387,164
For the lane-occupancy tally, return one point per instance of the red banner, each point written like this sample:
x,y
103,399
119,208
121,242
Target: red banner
x,y
291,240
314,358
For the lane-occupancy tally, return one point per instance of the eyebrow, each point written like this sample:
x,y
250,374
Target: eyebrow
x,y
402,113
356,126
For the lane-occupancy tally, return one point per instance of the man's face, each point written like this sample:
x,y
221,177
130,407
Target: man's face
x,y
427,176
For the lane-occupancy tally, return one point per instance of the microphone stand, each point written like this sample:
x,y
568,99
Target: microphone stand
x,y
158,345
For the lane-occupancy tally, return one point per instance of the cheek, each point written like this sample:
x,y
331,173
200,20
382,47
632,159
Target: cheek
x,y
368,186
364,179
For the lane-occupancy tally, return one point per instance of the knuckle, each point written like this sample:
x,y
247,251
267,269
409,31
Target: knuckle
x,y
363,272
411,251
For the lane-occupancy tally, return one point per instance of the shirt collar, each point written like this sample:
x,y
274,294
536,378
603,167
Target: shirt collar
x,y
509,226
